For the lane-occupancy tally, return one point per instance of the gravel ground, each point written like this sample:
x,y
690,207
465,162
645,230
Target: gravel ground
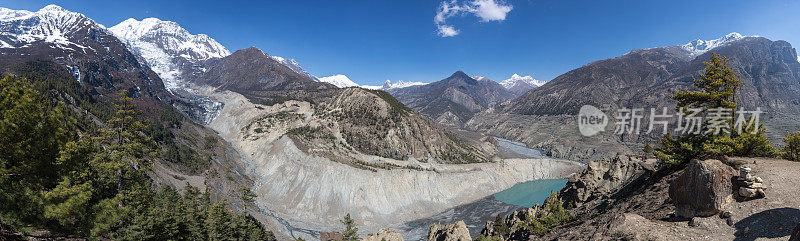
x,y
770,218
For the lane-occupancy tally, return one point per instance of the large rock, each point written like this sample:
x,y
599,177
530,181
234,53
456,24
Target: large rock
x,y
449,232
606,178
385,234
704,188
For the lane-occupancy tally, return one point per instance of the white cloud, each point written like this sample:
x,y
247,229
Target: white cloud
x,y
447,31
490,10
486,10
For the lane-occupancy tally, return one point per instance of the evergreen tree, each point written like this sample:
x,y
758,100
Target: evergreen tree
x,y
32,132
246,196
350,232
94,184
717,88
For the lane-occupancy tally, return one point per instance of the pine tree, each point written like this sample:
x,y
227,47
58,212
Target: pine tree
x,y
718,86
32,132
124,145
717,89
350,232
246,196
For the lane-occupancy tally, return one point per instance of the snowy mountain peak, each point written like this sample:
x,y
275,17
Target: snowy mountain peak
x,y
52,7
51,24
170,37
479,78
517,79
699,46
338,80
6,13
166,46
400,84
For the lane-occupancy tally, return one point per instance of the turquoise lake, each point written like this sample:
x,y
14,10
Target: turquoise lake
x,y
527,194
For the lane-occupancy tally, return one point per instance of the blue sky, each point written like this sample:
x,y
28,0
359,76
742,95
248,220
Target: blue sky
x,y
372,41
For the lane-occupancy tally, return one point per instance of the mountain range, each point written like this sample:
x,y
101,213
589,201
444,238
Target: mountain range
x,y
314,149
169,49
646,78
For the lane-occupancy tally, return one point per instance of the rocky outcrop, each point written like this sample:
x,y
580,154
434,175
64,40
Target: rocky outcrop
x,y
449,232
606,178
704,188
515,226
384,234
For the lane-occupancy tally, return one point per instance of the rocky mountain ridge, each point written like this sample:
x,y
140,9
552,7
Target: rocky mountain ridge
x,y
453,100
645,79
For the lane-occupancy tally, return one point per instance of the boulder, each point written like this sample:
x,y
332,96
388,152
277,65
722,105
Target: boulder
x,y
605,178
385,234
449,232
704,188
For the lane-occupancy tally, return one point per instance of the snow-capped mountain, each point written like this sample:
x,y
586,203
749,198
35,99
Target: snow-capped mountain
x,y
171,37
168,48
517,80
292,64
698,46
338,80
519,85
400,84
51,24
71,42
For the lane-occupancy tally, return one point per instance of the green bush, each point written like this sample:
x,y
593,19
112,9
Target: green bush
x,y
749,143
791,151
553,214
489,238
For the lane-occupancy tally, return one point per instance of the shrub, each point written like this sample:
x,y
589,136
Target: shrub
x,y
747,143
553,214
791,151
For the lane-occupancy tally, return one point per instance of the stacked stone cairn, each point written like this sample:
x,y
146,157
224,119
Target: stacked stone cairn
x,y
749,186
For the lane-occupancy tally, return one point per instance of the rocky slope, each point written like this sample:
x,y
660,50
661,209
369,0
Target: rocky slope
x,y
300,183
453,100
645,79
628,199
80,63
294,65
98,61
250,70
